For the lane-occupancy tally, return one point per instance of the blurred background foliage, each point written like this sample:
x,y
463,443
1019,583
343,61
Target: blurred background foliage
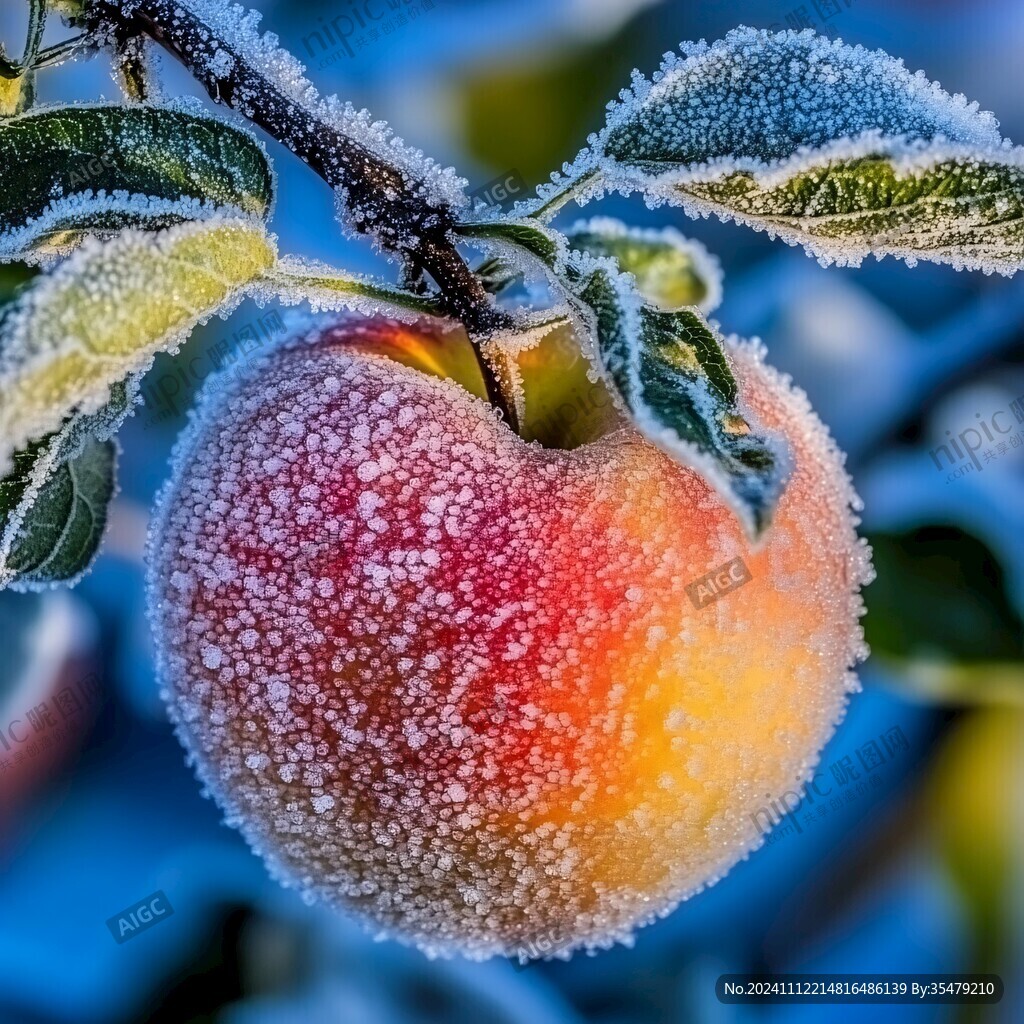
x,y
922,872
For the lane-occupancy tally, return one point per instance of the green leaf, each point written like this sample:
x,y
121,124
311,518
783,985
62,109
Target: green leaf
x,y
670,271
546,246
504,350
670,370
53,505
69,170
106,312
915,205
60,537
667,367
830,146
563,405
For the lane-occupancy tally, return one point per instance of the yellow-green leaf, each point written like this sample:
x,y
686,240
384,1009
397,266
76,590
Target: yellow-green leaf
x,y
107,311
670,271
830,146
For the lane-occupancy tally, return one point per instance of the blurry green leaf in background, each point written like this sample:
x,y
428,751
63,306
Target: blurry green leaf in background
x,y
940,610
546,107
977,801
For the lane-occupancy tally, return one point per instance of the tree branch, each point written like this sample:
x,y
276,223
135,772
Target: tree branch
x,y
383,199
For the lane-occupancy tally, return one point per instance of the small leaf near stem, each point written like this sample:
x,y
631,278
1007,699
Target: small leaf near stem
x,y
10,69
59,53
497,274
318,284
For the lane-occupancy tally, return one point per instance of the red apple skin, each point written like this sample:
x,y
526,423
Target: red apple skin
x,y
453,682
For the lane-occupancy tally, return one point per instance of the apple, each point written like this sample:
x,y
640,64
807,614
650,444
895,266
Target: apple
x,y
454,682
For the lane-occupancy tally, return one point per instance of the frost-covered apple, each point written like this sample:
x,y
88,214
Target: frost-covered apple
x,y
454,682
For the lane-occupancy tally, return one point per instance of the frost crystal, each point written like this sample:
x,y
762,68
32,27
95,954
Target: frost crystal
x,y
758,96
295,280
112,306
98,168
60,227
453,682
55,503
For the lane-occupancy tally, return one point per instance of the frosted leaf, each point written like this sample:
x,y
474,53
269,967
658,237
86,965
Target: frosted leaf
x,y
761,96
107,311
53,505
506,235
934,201
524,724
517,247
667,367
827,145
670,370
670,270
100,168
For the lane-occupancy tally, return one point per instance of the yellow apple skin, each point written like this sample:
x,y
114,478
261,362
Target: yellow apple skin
x,y
455,683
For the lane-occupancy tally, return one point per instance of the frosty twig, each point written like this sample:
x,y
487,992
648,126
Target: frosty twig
x,y
406,213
